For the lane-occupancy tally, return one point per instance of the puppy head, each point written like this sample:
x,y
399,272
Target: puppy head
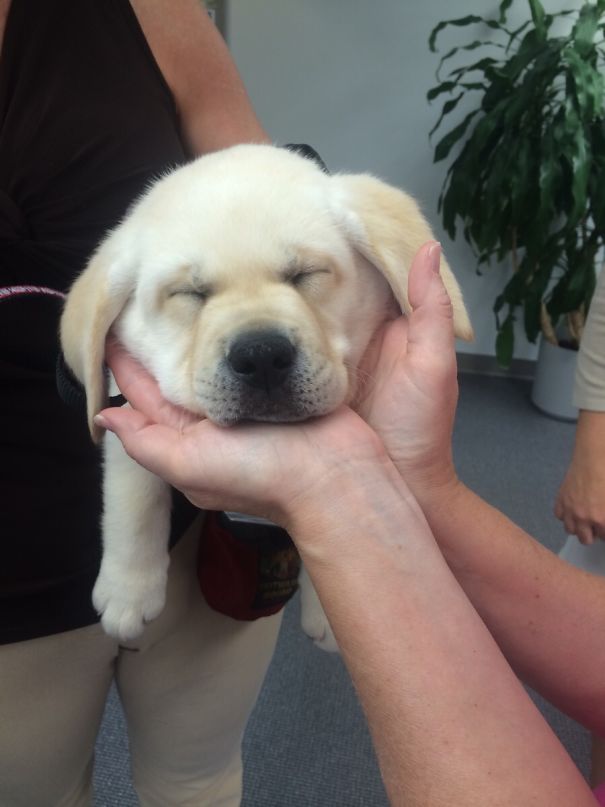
x,y
249,284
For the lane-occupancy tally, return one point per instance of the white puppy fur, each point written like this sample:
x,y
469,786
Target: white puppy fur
x,y
249,283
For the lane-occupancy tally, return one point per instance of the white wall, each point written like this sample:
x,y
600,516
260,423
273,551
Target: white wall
x,y
350,78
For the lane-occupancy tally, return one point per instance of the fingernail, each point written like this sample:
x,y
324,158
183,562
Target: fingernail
x,y
435,256
99,420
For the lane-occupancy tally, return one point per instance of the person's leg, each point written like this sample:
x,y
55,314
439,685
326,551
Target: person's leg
x,y
52,695
188,687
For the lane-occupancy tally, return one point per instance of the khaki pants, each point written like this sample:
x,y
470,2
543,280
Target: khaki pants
x,y
187,687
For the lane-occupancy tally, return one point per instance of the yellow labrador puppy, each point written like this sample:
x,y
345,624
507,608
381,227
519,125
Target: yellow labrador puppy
x,y
249,283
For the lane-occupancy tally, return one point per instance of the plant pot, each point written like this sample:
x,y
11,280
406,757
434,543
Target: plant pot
x,y
554,381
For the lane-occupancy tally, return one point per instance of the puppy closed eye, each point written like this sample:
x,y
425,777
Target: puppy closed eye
x,y
304,277
198,293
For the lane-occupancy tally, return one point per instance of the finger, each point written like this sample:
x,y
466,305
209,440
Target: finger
x,y
570,524
141,390
431,323
585,533
156,447
579,527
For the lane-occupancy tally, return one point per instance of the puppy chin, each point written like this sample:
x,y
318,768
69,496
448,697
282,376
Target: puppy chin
x,y
267,411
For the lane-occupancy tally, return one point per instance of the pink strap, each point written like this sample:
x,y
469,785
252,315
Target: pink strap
x,y
6,292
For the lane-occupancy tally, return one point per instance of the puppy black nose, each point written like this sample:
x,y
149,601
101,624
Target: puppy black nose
x,y
262,359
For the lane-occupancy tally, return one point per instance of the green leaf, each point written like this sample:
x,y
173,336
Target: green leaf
x,y
445,145
502,9
471,19
532,306
596,182
538,17
499,89
446,86
455,198
550,177
505,342
485,65
565,297
535,287
577,155
586,27
514,290
531,46
454,51
514,34
586,83
520,168
447,108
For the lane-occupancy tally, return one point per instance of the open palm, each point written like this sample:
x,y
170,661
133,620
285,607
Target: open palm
x,y
260,469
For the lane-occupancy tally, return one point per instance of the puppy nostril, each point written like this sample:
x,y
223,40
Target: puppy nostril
x,y
242,365
262,359
283,361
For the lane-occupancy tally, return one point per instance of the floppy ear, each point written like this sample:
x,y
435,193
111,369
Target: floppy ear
x,y
386,226
93,304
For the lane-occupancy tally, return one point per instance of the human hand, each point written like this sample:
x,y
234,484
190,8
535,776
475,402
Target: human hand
x,y
275,471
411,389
580,502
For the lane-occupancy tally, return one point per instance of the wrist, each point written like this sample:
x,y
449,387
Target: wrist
x,y
440,497
359,501
590,435
431,482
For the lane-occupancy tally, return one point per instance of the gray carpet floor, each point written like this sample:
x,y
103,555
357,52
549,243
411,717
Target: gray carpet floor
x,y
307,744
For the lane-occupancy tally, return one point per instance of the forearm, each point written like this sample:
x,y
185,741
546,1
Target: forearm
x,y
589,444
450,721
217,112
213,105
547,616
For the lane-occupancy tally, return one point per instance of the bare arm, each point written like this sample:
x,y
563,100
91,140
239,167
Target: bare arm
x,y
547,616
212,102
451,722
580,503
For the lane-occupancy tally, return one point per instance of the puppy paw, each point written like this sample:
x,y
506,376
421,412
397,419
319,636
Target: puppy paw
x,y
126,603
313,617
315,624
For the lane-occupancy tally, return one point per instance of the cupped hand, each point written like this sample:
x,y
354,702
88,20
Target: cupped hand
x,y
580,502
260,469
580,506
411,388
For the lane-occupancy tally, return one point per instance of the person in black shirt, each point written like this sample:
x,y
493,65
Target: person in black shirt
x,y
97,99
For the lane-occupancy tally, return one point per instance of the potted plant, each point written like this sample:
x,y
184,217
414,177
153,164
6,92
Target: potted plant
x,y
528,179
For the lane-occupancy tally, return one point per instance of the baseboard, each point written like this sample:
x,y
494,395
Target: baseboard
x,y
487,365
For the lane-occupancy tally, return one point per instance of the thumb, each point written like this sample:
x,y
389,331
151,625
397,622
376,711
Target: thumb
x,y
431,323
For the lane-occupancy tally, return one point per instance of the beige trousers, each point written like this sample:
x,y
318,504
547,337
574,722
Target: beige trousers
x,y
187,687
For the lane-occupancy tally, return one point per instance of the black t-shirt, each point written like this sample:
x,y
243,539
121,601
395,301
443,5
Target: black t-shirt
x,y
86,121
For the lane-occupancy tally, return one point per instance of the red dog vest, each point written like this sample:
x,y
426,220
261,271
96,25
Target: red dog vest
x,y
247,567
